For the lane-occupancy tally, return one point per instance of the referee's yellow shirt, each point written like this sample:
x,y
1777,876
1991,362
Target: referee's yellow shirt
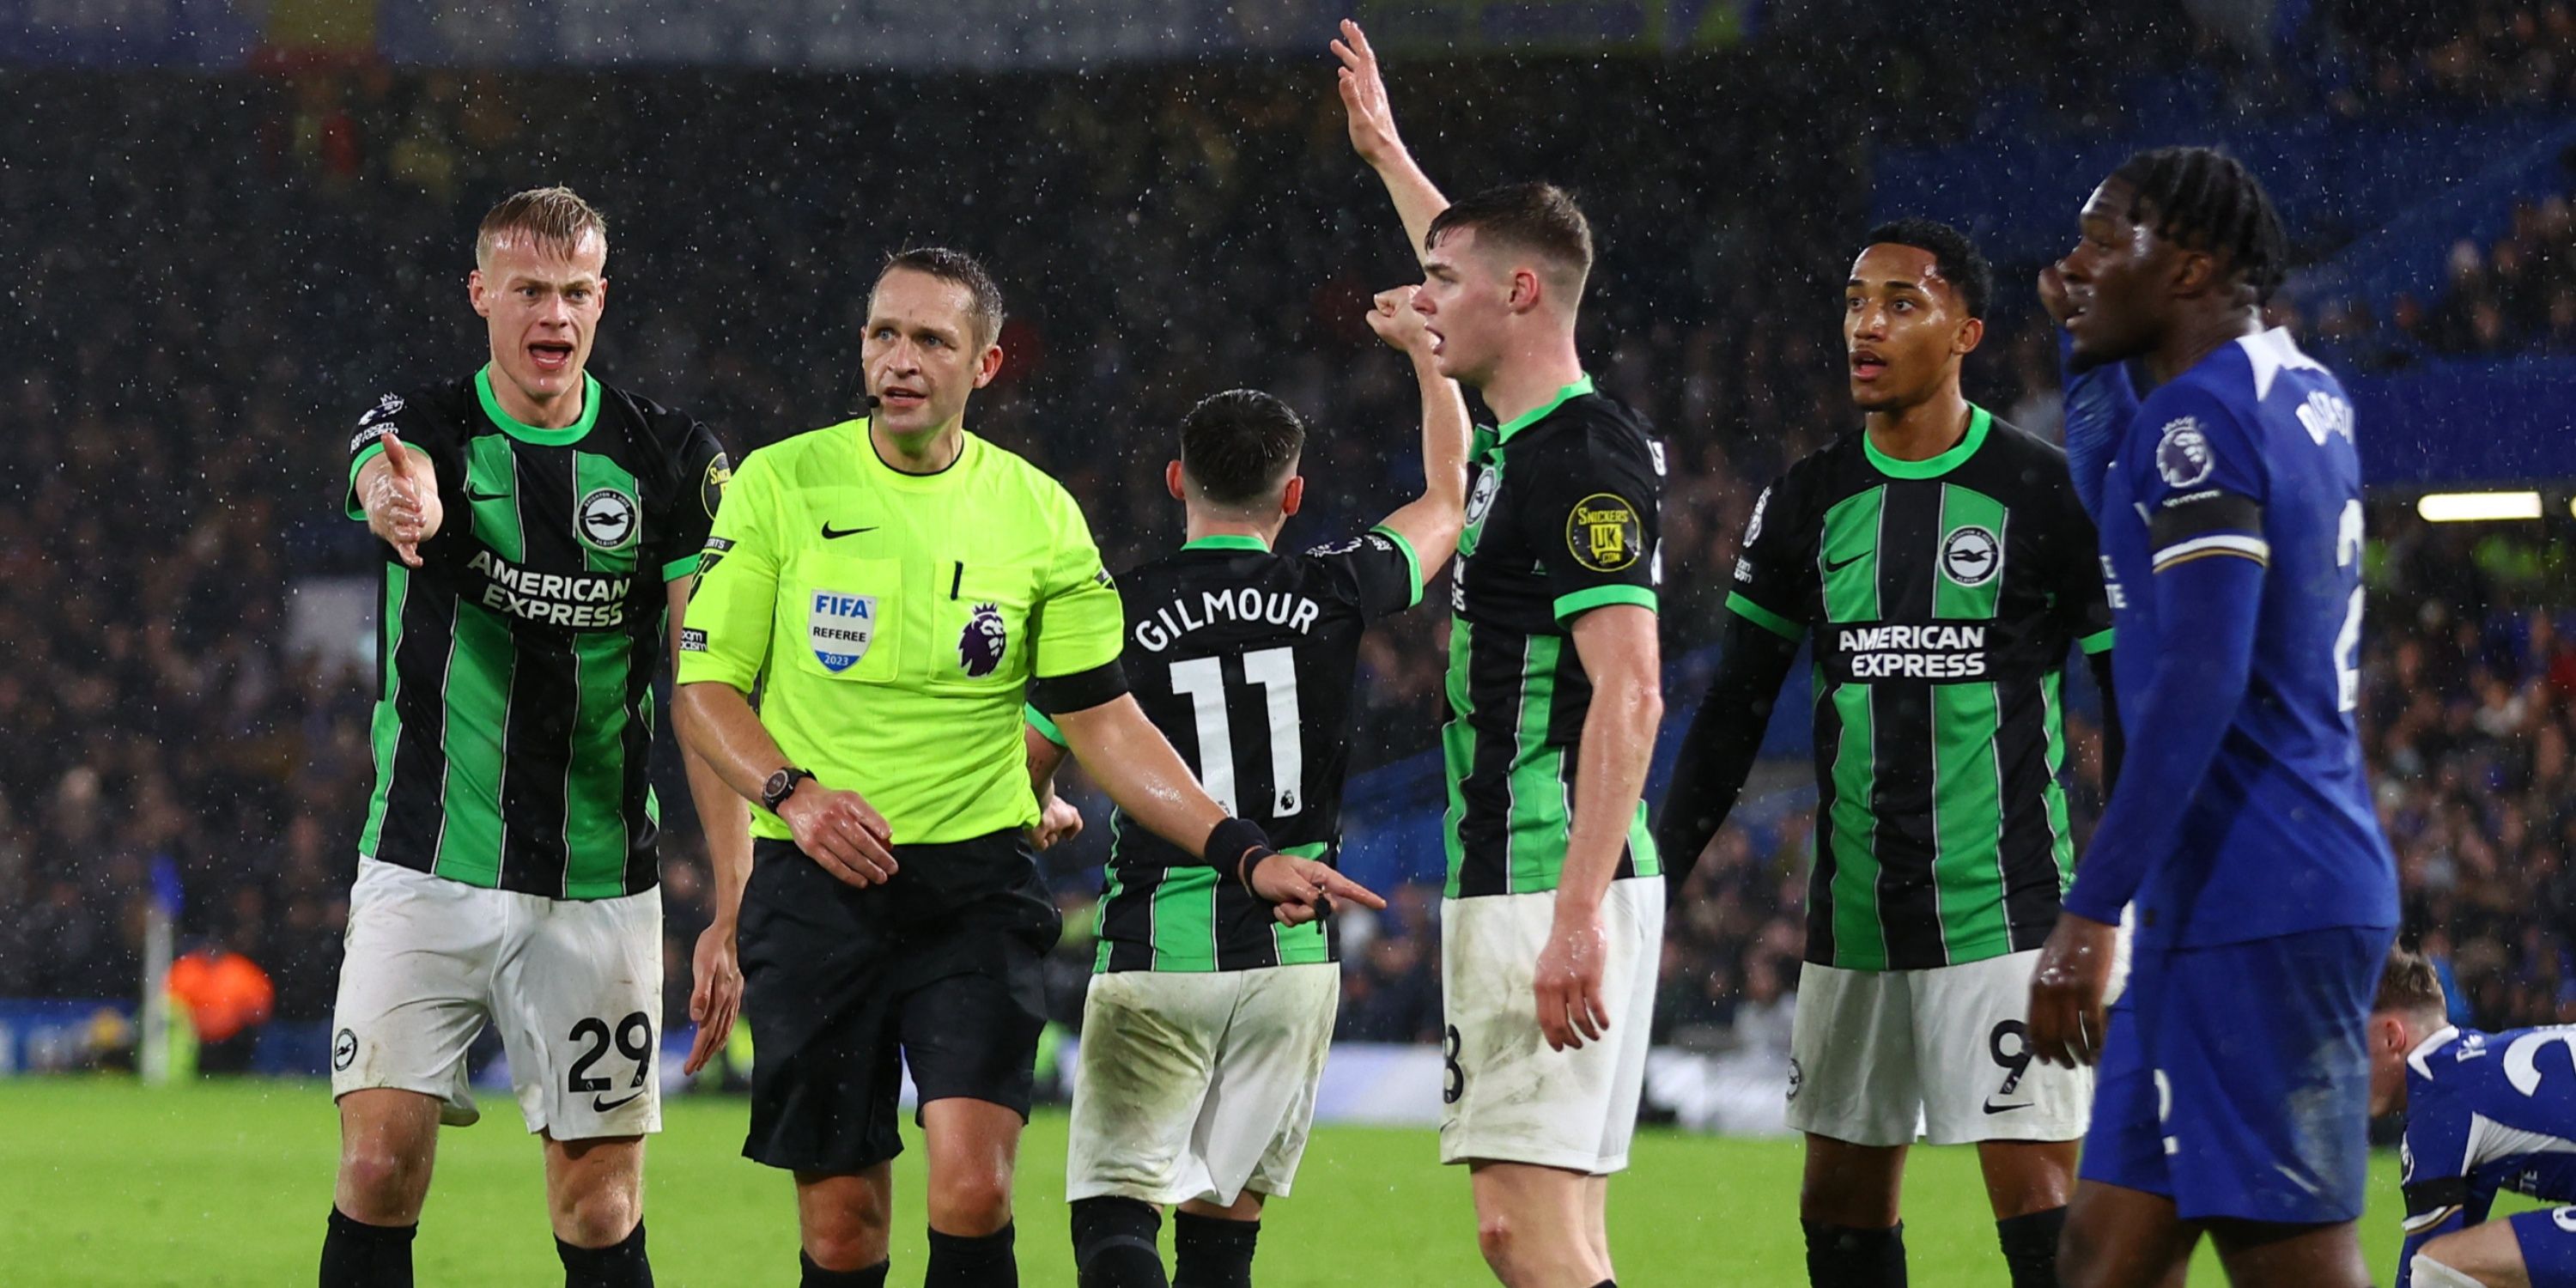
x,y
891,623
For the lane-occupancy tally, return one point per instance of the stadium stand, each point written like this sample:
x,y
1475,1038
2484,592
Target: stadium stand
x,y
185,347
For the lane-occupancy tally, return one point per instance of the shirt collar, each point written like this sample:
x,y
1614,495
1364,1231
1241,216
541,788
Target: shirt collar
x,y
1582,385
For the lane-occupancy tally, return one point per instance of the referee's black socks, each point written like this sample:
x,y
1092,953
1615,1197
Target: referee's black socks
x,y
1113,1243
2030,1246
1842,1256
619,1265
358,1255
972,1261
1212,1252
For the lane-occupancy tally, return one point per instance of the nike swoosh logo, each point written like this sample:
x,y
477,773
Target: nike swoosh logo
x,y
1832,567
831,533
602,1104
472,495
1993,1108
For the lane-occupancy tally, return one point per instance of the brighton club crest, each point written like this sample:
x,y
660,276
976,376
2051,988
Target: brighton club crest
x,y
981,645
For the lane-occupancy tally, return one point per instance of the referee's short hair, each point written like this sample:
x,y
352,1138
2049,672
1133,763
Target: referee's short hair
x,y
1238,448
1536,218
957,267
556,219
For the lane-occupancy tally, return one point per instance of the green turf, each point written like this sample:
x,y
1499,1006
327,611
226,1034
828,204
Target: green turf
x,y
103,1182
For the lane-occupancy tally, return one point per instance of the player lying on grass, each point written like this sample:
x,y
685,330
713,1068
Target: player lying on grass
x,y
1205,1028
2485,1113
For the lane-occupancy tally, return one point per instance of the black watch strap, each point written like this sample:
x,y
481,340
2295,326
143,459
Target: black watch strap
x,y
780,786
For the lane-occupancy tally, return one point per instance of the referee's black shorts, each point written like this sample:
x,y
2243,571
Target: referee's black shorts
x,y
940,965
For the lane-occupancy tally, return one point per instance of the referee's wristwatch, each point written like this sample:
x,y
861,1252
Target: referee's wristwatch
x,y
780,786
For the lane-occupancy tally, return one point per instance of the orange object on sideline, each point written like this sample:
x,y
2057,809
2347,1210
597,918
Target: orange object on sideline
x,y
224,992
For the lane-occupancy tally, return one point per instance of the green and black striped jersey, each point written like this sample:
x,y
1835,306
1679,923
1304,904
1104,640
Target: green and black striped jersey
x,y
1941,596
1563,518
514,715
1244,659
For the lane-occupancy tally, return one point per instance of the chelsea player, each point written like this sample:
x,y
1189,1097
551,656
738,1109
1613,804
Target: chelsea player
x,y
2233,1092
2485,1112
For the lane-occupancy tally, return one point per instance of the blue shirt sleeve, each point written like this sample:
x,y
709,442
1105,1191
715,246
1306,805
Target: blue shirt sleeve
x,y
2198,476
2436,1185
2101,401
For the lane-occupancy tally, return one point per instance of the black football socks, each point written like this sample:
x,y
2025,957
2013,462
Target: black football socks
x,y
2030,1246
863,1277
358,1255
1113,1243
1841,1256
1212,1252
619,1265
972,1261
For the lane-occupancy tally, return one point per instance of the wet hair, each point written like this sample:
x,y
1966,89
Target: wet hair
x,y
1539,218
958,267
554,218
1955,257
1239,446
2205,200
2408,983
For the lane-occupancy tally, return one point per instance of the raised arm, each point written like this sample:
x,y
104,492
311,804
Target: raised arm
x,y
1431,521
1373,136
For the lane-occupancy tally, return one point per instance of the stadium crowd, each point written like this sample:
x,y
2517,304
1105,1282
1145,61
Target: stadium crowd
x,y
184,355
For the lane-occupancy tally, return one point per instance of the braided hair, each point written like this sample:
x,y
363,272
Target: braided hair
x,y
2205,200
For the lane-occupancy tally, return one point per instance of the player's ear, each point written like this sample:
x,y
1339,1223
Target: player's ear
x,y
1293,495
474,293
1172,481
1971,334
1525,290
988,366
2195,272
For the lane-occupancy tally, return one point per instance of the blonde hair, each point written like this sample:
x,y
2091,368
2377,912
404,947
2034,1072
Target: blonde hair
x,y
554,218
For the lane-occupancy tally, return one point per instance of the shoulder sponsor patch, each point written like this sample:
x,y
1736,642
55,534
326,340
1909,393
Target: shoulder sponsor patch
x,y
1604,532
840,627
2184,457
692,640
711,489
1753,526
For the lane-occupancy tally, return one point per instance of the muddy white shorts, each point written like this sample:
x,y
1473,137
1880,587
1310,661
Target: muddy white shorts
x,y
1198,1085
1508,1098
573,985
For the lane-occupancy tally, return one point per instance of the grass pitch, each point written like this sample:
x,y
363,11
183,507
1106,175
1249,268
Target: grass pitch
x,y
106,1183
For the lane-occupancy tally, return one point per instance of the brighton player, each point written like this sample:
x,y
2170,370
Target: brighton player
x,y
1553,924
1205,1028
1944,568
892,586
2233,1092
541,533
2485,1113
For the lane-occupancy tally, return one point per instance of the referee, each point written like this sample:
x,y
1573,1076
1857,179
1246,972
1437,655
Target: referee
x,y
893,587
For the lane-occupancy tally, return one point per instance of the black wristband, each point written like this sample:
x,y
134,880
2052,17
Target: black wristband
x,y
1229,841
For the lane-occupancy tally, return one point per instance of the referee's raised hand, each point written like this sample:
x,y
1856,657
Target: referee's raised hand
x,y
842,832
401,500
